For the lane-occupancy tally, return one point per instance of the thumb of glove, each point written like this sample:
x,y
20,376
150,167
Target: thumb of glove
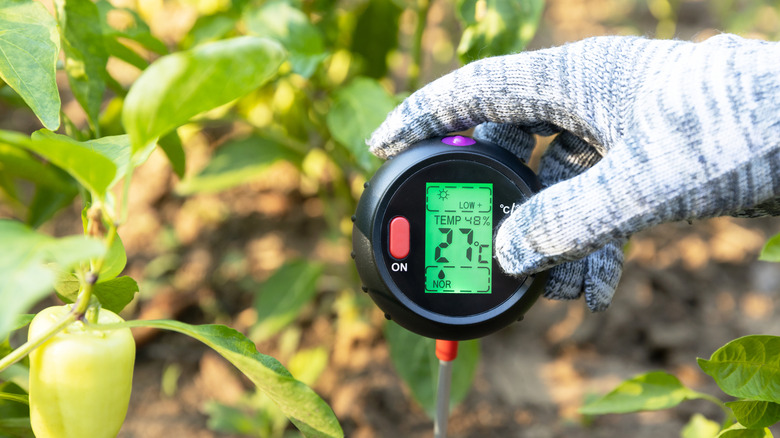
x,y
571,219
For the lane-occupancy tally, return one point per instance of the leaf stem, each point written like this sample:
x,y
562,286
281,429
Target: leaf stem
x,y
728,414
19,398
125,195
31,344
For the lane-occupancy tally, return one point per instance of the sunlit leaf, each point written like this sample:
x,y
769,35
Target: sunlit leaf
x,y
116,148
748,367
771,251
647,392
19,163
85,54
739,431
358,109
179,86
755,414
235,163
24,266
415,361
307,411
496,27
700,427
308,365
283,295
29,49
90,169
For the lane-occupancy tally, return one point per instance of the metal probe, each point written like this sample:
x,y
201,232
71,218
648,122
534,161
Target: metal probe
x,y
446,352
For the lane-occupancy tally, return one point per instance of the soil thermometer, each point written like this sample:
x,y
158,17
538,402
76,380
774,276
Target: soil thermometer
x,y
423,241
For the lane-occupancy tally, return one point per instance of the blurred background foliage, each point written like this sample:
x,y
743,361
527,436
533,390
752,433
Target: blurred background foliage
x,y
244,219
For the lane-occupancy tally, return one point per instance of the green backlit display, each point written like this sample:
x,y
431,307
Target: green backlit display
x,y
458,238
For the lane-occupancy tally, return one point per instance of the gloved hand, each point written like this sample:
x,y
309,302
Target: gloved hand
x,y
686,131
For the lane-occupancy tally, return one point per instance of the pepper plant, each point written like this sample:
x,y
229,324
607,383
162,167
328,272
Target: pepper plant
x,y
308,81
747,369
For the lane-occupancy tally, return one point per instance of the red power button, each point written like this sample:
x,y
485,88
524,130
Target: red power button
x,y
399,237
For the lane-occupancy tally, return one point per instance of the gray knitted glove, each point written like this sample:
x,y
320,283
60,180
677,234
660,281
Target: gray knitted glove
x,y
686,131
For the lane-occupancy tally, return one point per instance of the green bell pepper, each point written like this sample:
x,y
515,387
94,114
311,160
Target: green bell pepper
x,y
80,379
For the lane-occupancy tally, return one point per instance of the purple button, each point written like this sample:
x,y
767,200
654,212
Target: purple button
x,y
458,140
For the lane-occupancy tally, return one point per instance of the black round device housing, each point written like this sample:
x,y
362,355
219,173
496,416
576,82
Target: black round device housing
x,y
423,238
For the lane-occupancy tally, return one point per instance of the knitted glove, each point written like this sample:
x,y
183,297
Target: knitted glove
x,y
686,131
596,275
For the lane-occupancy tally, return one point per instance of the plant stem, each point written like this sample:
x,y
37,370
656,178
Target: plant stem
x,y
19,398
32,344
422,19
726,410
125,195
77,311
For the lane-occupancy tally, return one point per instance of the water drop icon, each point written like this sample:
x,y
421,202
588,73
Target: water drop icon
x,y
441,274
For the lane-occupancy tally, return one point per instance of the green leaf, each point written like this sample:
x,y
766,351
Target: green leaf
x,y
771,251
358,109
19,163
700,427
234,420
17,374
116,293
85,53
29,49
115,148
124,53
46,203
135,29
24,266
90,169
18,398
171,145
179,86
236,163
739,431
114,262
307,411
209,28
496,27
647,392
308,365
414,358
280,21
67,287
22,321
113,294
283,296
755,414
748,367
16,427
375,35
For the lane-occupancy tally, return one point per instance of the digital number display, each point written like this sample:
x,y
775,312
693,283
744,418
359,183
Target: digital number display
x,y
458,238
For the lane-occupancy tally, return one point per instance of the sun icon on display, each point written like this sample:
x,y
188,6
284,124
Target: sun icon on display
x,y
444,194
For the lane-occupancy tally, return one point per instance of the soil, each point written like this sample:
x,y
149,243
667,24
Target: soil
x,y
686,290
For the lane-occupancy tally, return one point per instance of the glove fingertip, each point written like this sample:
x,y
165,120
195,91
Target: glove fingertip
x,y
565,281
604,269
